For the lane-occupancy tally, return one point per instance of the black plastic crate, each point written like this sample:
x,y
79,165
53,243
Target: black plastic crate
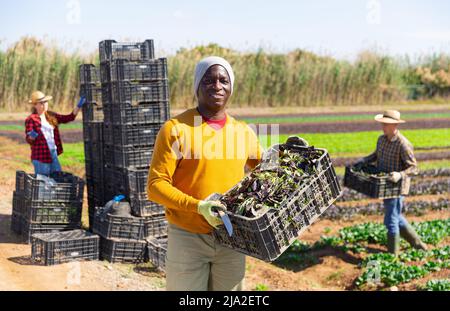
x,y
16,223
132,51
93,155
94,171
67,187
266,237
56,248
115,250
155,226
143,208
123,70
89,73
137,180
92,113
93,94
17,205
52,212
128,156
135,93
94,202
29,228
93,132
157,251
118,227
371,185
144,113
131,135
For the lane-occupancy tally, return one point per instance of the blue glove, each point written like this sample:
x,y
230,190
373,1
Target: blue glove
x,y
33,134
81,102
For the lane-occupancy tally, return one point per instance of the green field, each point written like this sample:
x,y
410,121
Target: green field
x,y
338,144
337,118
21,127
362,143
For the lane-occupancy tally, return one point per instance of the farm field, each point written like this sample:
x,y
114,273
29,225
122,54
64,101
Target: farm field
x,y
331,255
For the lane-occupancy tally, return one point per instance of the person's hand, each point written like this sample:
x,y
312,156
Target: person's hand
x,y
81,102
204,208
395,177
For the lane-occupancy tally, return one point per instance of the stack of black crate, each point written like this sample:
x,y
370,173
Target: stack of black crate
x,y
135,106
91,89
44,205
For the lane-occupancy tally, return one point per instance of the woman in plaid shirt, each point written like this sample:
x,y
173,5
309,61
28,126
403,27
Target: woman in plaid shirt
x,y
42,133
394,155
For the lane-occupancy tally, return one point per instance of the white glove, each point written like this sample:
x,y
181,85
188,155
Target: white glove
x,y
395,177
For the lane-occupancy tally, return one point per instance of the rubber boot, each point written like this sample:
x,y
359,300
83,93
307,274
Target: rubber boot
x,y
393,243
411,236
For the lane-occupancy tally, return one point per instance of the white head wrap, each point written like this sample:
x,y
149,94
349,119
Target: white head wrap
x,y
203,66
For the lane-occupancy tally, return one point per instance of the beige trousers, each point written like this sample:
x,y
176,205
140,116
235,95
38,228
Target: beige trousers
x,y
196,262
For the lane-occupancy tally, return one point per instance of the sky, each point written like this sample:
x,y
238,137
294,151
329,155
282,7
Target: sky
x,y
340,28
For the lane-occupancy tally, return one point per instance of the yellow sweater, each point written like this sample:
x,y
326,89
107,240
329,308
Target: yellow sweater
x,y
191,161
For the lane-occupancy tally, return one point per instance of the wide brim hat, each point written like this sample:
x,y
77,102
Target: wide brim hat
x,y
39,97
389,117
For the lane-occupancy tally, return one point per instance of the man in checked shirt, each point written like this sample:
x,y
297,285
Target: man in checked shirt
x,y
394,155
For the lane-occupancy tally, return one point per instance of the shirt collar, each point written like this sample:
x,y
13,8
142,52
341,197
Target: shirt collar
x,y
395,137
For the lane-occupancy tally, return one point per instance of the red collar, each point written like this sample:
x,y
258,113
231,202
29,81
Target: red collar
x,y
215,124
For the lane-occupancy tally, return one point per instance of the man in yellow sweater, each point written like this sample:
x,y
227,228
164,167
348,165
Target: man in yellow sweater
x,y
197,153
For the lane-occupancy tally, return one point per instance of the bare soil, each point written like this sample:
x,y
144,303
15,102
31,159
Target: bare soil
x,y
326,269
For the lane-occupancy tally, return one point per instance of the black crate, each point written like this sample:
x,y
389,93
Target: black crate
x,y
17,206
52,212
118,227
67,187
115,250
132,51
92,113
123,70
131,135
93,94
29,228
144,113
93,132
155,226
16,223
266,237
128,156
157,251
135,93
143,208
95,169
89,74
56,248
94,202
137,180
372,185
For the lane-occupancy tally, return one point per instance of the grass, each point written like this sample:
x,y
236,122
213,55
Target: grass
x,y
364,143
73,155
21,127
338,144
337,118
263,79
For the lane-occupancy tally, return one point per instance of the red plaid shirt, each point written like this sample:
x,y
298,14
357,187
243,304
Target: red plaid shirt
x,y
39,147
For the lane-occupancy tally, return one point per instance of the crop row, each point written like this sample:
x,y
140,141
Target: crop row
x,y
418,207
356,238
390,270
437,285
